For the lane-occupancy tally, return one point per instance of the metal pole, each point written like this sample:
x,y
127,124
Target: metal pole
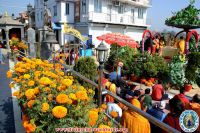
x,y
100,85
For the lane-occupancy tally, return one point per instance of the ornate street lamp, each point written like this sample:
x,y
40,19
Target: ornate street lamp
x,y
29,9
101,53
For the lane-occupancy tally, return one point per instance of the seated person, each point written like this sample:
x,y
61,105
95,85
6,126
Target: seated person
x,y
157,91
146,100
182,96
114,107
172,118
130,93
132,120
195,106
111,88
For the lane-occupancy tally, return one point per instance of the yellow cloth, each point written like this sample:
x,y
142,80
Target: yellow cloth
x,y
181,46
111,88
135,122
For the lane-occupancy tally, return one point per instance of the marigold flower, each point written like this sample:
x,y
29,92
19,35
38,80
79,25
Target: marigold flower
x,y
9,74
104,106
27,76
36,90
114,114
31,103
47,89
92,122
82,95
72,96
109,123
30,94
45,81
93,115
31,83
16,93
59,111
50,97
11,85
25,117
45,107
90,91
29,127
62,98
67,82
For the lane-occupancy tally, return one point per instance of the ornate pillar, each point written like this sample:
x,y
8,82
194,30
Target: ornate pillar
x,y
7,38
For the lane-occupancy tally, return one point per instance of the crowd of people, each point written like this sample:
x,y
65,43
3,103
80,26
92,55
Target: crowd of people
x,y
153,101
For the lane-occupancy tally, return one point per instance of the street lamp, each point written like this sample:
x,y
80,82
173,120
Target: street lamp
x,y
101,53
29,9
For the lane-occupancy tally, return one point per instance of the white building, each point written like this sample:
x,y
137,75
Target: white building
x,y
96,17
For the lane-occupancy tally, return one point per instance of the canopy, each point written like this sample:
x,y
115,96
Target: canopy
x,y
120,39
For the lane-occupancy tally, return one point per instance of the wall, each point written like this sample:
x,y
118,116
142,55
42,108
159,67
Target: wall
x,y
67,18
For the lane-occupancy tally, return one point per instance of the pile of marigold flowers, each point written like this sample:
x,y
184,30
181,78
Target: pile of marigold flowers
x,y
49,99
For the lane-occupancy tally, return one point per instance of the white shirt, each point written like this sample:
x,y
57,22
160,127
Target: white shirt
x,y
114,107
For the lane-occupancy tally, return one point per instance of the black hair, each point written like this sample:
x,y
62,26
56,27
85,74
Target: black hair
x,y
107,76
181,37
132,87
176,105
159,81
137,93
147,91
182,90
196,98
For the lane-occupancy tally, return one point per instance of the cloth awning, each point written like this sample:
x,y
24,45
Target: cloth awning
x,y
56,26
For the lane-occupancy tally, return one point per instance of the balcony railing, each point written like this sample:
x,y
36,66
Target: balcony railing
x,y
145,3
116,19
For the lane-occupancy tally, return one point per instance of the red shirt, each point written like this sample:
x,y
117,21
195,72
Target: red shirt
x,y
172,121
183,98
157,92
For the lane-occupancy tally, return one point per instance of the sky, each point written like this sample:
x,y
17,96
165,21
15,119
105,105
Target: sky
x,y
160,10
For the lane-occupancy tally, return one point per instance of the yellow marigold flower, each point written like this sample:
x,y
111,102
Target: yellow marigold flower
x,y
36,90
103,127
82,95
45,107
59,111
104,106
11,85
31,103
74,87
62,98
61,61
82,88
47,89
27,76
69,101
92,122
53,85
93,115
50,97
31,83
16,93
9,74
72,96
67,82
45,81
61,73
90,91
114,114
109,123
30,94
96,110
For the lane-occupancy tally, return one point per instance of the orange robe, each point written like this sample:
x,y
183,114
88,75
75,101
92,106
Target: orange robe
x,y
135,122
111,88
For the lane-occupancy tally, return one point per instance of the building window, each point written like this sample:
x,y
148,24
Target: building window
x,y
98,6
83,6
67,9
54,10
121,9
37,2
140,13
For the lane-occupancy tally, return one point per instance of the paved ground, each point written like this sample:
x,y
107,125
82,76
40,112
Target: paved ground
x,y
7,124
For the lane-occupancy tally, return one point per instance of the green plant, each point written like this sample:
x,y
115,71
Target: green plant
x,y
187,16
87,67
193,67
177,71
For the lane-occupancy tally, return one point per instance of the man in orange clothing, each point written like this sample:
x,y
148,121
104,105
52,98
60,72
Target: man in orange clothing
x,y
181,45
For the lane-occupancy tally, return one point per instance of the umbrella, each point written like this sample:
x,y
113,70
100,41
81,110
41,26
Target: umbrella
x,y
120,39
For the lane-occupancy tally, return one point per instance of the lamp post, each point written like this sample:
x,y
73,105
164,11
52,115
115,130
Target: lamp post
x,y
101,53
29,9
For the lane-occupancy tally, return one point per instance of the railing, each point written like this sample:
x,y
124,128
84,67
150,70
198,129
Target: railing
x,y
130,106
116,19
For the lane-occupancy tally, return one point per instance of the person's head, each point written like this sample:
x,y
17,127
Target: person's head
x,y
156,37
147,91
159,81
182,90
176,106
137,93
181,37
132,87
196,98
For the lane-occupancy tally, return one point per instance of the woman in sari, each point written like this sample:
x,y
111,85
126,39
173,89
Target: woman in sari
x,y
133,121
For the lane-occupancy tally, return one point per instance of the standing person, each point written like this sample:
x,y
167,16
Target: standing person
x,y
161,44
146,100
172,119
182,97
181,45
148,44
133,121
195,106
157,91
156,44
